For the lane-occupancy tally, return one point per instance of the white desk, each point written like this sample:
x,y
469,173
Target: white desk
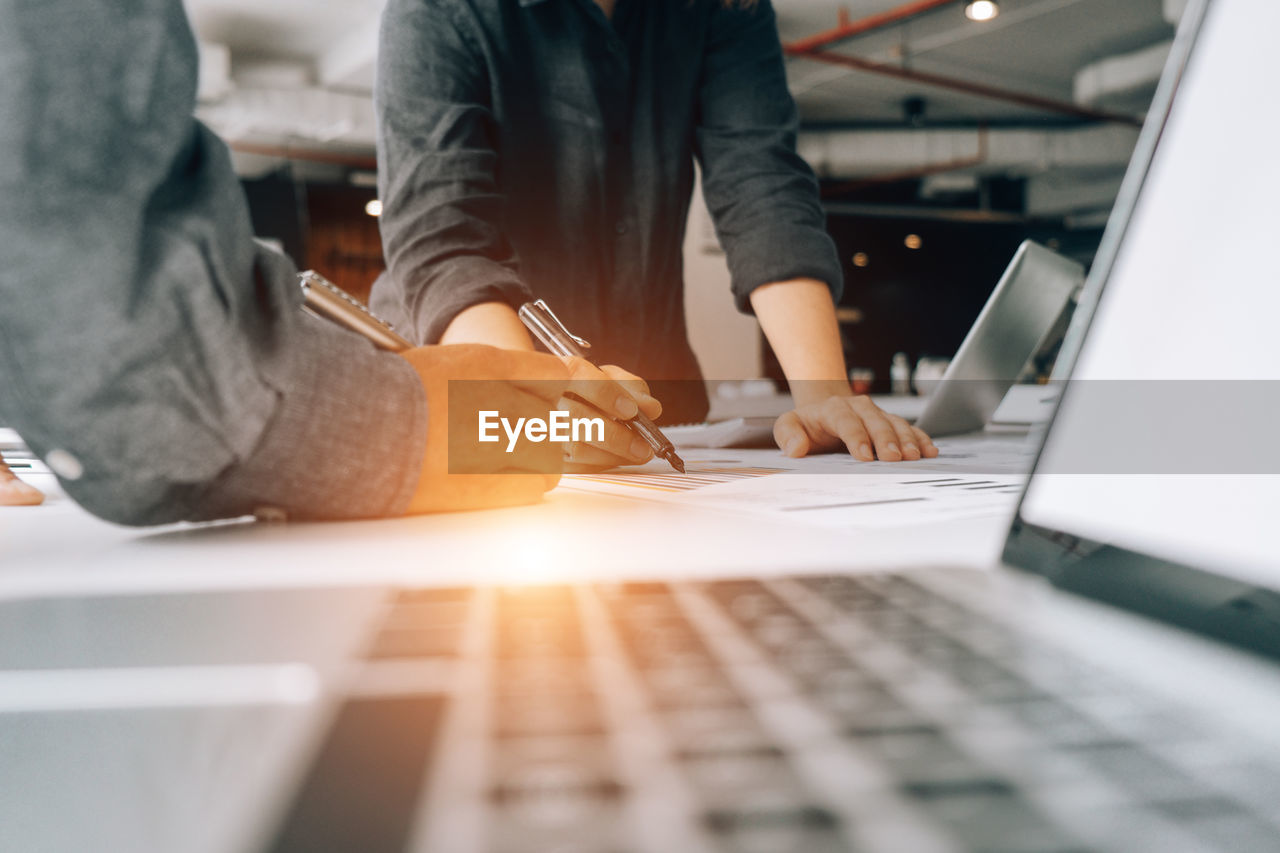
x,y
60,549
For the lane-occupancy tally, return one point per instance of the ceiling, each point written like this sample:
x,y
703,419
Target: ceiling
x,y
298,29
1033,46
299,73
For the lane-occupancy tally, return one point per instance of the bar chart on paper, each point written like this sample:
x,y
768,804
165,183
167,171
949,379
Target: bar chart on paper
x,y
696,477
827,491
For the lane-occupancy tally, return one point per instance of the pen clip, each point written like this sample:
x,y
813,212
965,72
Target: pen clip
x,y
542,306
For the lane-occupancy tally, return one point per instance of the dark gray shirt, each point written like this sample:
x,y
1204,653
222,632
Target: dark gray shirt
x,y
536,147
144,336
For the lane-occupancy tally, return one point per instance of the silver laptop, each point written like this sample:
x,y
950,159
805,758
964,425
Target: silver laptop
x,y
1052,704
1026,304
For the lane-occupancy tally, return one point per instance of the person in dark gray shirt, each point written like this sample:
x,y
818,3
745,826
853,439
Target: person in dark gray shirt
x,y
151,352
546,148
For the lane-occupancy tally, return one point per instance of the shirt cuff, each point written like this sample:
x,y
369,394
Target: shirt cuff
x,y
778,254
468,282
346,439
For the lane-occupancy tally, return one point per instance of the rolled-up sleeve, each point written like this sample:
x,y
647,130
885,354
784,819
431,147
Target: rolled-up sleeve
x,y
762,196
442,206
150,350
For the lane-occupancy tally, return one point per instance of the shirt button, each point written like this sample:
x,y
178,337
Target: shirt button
x,y
622,227
64,464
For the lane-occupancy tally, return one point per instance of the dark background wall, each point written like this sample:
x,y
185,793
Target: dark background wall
x,y
920,301
322,226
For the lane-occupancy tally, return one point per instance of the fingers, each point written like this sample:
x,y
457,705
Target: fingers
x,y
590,383
489,412
911,450
884,438
856,422
14,492
542,457
608,447
620,396
848,426
495,426
587,460
542,375
790,435
636,387
925,443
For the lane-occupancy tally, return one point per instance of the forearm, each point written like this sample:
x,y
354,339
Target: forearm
x,y
799,319
305,465
494,323
153,353
442,201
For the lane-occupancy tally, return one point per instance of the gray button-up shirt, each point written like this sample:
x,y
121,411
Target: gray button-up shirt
x,y
149,348
539,148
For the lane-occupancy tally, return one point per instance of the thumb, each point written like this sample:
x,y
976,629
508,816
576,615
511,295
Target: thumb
x,y
790,435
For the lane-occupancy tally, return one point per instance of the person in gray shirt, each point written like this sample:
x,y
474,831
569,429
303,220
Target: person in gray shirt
x,y
151,352
546,148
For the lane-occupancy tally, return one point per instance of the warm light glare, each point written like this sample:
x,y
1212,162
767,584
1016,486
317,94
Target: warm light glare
x,y
529,553
981,10
913,241
861,259
373,208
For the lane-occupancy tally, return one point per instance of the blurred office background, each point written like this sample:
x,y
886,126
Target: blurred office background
x,y
941,142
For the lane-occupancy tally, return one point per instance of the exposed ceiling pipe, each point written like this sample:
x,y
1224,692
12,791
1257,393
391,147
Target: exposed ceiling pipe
x,y
873,154
813,46
1119,76
310,155
848,29
979,89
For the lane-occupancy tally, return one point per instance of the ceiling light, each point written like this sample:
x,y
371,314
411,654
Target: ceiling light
x,y
981,10
373,208
861,259
913,241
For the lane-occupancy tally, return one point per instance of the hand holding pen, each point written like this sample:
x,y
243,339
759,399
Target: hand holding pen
x,y
630,439
590,392
459,473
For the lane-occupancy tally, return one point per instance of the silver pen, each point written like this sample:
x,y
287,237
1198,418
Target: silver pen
x,y
548,329
325,299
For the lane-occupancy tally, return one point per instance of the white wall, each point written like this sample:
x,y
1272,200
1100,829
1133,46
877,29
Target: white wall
x,y
726,342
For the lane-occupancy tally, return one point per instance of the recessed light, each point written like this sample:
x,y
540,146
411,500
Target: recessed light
x,y
981,10
912,241
861,259
373,208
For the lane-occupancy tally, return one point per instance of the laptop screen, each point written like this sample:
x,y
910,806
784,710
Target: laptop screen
x,y
1166,440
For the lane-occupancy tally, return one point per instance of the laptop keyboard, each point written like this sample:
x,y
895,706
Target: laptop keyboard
x,y
808,714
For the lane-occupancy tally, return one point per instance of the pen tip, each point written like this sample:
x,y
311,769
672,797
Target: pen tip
x,y
676,462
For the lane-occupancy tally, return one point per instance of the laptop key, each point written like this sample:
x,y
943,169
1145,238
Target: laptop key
x,y
413,643
916,753
713,730
987,814
1145,776
805,829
